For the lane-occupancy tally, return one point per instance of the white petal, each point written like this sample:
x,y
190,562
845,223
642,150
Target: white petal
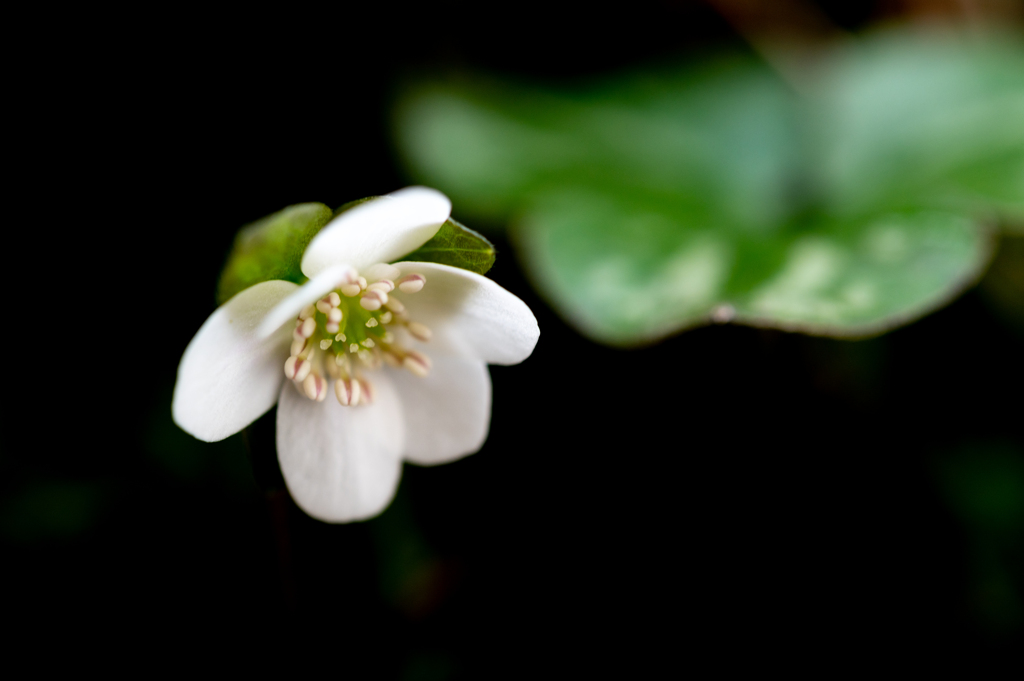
x,y
310,292
470,314
341,463
448,412
229,376
381,230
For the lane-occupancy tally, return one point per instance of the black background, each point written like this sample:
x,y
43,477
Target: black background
x,y
735,493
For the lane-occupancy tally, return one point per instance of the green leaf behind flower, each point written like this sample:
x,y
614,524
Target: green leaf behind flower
x,y
657,201
458,246
271,248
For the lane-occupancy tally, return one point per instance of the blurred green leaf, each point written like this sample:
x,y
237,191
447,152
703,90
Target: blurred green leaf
x,y
907,118
655,202
271,248
458,246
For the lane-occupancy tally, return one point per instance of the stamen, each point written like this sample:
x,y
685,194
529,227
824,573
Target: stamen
x,y
395,305
306,328
326,343
417,363
347,391
307,312
340,337
315,387
371,322
411,283
298,345
351,290
384,285
372,300
334,299
332,327
362,283
391,359
366,392
381,271
368,343
353,348
323,305
420,332
334,315
297,368
385,318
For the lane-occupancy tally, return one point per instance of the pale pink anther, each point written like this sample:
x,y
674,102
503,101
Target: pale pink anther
x,y
411,283
351,290
296,368
334,299
395,305
334,315
315,387
420,332
306,328
362,282
417,363
365,391
385,285
298,345
307,312
347,391
386,318
323,305
332,327
372,300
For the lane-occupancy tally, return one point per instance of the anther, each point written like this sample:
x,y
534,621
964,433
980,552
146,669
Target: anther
x,y
395,305
305,329
307,312
334,315
326,343
298,345
347,391
385,318
315,387
368,343
334,299
353,348
372,300
332,327
296,368
411,283
417,363
385,285
365,391
362,283
380,271
420,332
371,322
323,305
340,337
391,359
351,290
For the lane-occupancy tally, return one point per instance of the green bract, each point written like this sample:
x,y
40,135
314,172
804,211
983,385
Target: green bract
x,y
272,248
661,201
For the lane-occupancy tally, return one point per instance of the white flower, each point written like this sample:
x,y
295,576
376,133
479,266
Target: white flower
x,y
410,364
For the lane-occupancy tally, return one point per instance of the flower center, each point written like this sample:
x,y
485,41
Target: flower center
x,y
353,329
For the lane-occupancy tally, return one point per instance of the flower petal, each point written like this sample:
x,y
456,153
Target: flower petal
x,y
229,376
470,314
341,463
310,292
447,413
380,230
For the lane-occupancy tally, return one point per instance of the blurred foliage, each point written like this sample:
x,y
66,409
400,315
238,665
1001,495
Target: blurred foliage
x,y
272,247
654,202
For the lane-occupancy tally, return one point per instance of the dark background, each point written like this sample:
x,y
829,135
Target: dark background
x,y
731,494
